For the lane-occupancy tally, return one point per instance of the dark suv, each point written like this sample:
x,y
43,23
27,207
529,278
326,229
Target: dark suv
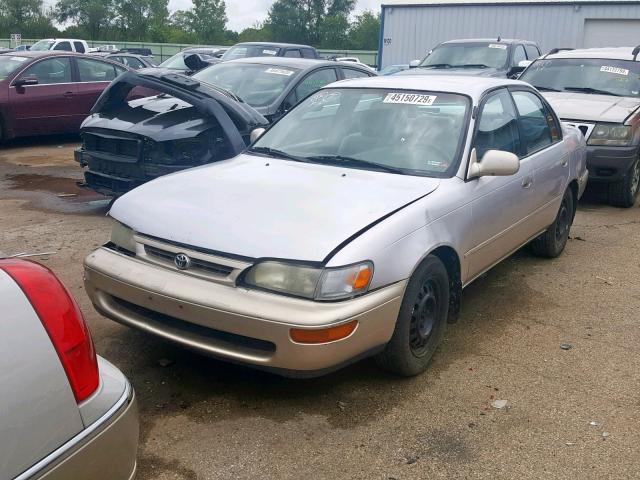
x,y
486,57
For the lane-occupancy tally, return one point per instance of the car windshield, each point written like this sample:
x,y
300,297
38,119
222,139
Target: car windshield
x,y
9,64
175,63
256,84
246,51
592,75
396,131
479,55
42,45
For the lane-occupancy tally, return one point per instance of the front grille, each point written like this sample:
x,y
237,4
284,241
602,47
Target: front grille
x,y
114,145
205,334
196,263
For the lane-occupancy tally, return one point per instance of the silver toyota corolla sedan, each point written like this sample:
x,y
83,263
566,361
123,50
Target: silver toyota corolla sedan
x,y
65,413
348,229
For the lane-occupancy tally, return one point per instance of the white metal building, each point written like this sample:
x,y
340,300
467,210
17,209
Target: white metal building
x,y
410,28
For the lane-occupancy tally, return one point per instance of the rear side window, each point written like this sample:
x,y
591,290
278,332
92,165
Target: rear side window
x,y
308,53
532,52
498,126
315,81
292,53
351,73
66,46
96,71
79,47
534,120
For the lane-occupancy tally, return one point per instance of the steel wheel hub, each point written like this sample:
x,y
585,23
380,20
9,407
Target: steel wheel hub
x,y
423,318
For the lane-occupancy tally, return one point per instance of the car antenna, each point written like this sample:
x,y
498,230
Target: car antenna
x,y
499,38
635,53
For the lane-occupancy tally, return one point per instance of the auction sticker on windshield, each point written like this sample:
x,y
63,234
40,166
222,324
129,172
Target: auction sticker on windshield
x,y
497,45
410,98
279,71
619,71
270,52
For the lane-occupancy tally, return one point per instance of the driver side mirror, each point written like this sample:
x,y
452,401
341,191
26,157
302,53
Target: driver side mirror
x,y
256,133
195,62
496,163
26,80
517,70
414,63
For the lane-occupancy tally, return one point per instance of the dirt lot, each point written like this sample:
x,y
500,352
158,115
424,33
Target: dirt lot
x,y
202,419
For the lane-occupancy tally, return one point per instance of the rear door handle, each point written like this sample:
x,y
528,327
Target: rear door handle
x,y
527,182
565,162
68,94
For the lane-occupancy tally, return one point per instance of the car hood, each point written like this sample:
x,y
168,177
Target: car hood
x,y
590,107
470,72
260,207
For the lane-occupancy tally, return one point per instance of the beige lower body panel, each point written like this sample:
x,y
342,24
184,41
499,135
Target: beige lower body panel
x,y
227,322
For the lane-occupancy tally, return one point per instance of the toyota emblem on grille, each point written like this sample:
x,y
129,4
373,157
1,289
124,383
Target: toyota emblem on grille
x,y
182,261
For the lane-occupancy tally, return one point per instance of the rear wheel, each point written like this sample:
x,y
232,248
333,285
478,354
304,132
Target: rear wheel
x,y
552,242
421,321
624,192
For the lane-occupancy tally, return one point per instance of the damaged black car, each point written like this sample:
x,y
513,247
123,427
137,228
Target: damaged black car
x,y
194,120
126,143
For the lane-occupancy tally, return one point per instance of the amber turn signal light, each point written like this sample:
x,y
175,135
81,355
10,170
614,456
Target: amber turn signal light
x,y
323,335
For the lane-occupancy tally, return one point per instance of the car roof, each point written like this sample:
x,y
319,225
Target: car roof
x,y
275,44
62,39
42,53
491,40
474,87
299,63
613,53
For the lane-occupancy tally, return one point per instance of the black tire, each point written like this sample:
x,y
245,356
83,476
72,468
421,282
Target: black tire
x,y
552,242
421,321
625,192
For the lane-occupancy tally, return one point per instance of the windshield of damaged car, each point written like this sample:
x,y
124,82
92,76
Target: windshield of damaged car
x,y
397,131
246,51
256,84
592,75
471,55
8,64
175,63
42,45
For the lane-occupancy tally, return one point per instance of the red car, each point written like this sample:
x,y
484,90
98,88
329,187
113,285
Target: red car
x,y
50,91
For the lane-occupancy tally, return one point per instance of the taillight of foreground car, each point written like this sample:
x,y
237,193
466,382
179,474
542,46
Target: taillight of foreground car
x,y
63,321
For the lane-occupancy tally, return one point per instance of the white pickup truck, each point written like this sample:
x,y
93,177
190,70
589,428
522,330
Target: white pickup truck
x,y
64,44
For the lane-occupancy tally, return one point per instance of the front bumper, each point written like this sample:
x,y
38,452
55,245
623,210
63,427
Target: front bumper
x,y
105,450
234,323
610,164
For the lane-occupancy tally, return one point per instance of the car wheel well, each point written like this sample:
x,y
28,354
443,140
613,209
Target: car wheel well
x,y
451,261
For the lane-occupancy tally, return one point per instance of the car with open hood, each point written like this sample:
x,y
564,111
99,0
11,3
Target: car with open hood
x,y
348,229
484,57
125,144
598,90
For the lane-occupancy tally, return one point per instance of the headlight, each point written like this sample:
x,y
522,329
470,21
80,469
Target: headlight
x,y
610,134
311,282
122,236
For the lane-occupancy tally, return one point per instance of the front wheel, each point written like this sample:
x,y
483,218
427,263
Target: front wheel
x,y
624,192
552,242
421,321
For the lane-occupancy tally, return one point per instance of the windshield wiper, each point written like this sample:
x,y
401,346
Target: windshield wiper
x,y
591,90
547,89
437,65
275,153
471,65
340,160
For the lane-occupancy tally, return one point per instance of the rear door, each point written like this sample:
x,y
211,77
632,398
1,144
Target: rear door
x,y
93,77
47,106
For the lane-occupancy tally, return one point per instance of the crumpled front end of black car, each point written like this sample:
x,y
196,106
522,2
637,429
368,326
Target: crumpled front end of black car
x,y
126,143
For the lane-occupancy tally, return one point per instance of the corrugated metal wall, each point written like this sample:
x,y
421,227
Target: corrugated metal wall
x,y
410,32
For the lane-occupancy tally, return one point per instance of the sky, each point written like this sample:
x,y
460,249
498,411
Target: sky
x,y
244,13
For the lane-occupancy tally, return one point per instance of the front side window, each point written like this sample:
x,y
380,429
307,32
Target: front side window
x,y
64,46
95,71
132,62
257,84
534,120
585,75
498,126
50,71
351,73
518,55
79,47
467,55
176,62
292,54
42,45
395,131
315,81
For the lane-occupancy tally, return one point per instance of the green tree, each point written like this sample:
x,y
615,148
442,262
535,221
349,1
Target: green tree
x,y
93,17
140,19
207,20
27,17
259,32
365,30
334,32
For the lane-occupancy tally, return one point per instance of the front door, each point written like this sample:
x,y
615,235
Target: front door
x,y
44,107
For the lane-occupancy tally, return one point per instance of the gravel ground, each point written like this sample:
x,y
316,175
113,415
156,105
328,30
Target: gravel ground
x,y
203,419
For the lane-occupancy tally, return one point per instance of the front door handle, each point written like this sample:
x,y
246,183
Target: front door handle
x,y
527,182
68,94
565,162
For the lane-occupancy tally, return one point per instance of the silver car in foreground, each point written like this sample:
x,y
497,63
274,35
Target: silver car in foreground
x,y
64,412
348,229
